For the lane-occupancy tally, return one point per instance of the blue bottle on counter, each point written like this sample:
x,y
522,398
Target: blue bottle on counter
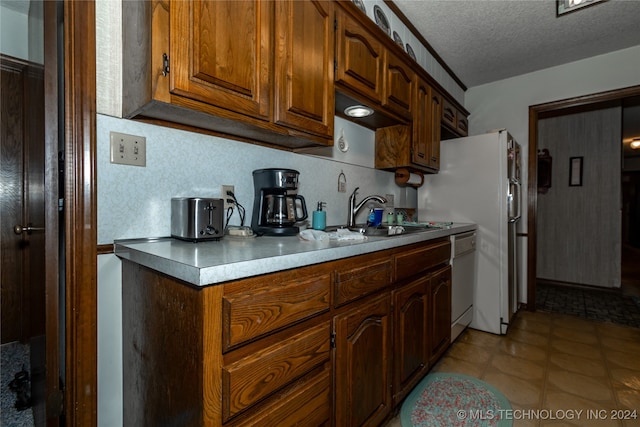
x,y
319,218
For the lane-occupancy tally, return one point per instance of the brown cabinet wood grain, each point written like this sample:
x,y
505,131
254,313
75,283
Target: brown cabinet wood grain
x,y
254,307
305,403
411,335
362,363
337,343
259,374
355,282
422,258
359,58
454,120
249,69
398,86
436,112
415,146
304,63
220,53
440,324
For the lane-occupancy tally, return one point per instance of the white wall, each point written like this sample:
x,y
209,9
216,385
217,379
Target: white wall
x,y
505,103
22,30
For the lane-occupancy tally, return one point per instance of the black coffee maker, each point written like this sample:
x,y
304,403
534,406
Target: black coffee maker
x,y
277,206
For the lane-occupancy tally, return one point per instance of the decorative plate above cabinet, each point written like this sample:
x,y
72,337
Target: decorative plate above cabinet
x,y
381,20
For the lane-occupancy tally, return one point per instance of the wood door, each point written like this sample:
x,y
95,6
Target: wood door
x,y
220,53
22,199
304,62
363,363
436,112
398,86
411,336
421,143
440,313
359,58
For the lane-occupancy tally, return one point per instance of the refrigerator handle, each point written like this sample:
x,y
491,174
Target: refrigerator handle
x,y
514,200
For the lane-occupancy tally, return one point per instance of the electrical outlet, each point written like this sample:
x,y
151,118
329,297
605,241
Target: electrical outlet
x,y
390,200
128,149
227,204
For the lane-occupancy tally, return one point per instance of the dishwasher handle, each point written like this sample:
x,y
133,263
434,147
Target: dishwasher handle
x,y
464,243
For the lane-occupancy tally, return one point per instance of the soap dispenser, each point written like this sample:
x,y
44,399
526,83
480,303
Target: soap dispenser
x,y
319,217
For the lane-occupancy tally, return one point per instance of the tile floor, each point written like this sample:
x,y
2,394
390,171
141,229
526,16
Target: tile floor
x,y
557,363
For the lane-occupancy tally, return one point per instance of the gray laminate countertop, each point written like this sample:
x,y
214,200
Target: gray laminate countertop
x,y
213,262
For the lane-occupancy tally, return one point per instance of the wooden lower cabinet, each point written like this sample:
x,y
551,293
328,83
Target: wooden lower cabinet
x,y
362,363
440,313
412,326
339,343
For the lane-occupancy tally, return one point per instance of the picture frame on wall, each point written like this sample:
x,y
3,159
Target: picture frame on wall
x,y
575,171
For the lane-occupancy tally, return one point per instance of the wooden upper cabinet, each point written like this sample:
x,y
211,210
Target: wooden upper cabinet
x,y
304,63
415,146
436,112
454,119
359,58
220,52
422,123
398,85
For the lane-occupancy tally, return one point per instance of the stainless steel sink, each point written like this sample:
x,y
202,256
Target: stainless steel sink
x,y
383,230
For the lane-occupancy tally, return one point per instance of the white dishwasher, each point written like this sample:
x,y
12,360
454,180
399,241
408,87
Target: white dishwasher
x,y
463,276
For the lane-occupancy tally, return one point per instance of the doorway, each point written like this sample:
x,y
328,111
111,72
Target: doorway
x,y
536,113
22,202
631,196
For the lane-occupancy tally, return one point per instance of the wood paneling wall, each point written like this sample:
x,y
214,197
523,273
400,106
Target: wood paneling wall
x,y
579,227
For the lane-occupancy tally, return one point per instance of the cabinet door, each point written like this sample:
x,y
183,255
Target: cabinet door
x,y
422,122
220,53
359,58
363,363
411,336
304,61
398,86
462,125
440,313
449,115
436,112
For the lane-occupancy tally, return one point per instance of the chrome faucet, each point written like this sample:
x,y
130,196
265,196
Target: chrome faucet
x,y
355,208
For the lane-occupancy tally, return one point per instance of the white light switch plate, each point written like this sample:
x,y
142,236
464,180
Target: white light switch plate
x,y
128,149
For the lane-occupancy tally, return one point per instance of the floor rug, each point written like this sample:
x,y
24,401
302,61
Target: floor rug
x,y
594,304
14,358
443,399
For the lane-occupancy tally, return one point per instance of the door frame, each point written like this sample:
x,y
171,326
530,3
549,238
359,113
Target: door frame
x,y
537,112
71,73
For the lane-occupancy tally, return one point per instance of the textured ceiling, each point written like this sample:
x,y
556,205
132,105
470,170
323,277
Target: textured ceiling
x,y
487,40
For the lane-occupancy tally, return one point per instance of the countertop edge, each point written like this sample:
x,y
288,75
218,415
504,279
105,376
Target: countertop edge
x,y
211,263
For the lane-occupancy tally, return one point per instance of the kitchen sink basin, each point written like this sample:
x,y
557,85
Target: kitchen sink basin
x,y
384,230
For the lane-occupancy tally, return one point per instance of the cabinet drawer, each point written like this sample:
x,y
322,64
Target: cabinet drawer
x,y
306,403
360,281
463,125
418,260
251,311
449,115
254,377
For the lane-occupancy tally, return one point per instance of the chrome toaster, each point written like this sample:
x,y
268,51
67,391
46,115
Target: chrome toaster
x,y
197,218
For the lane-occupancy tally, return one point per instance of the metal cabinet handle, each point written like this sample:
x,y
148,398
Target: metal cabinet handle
x,y
19,229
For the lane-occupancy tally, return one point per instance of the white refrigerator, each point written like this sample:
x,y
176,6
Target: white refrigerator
x,y
479,182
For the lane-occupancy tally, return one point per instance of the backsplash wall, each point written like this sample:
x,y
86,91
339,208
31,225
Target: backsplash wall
x,y
135,202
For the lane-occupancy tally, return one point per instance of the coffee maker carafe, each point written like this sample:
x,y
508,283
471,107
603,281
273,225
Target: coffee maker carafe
x,y
277,206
